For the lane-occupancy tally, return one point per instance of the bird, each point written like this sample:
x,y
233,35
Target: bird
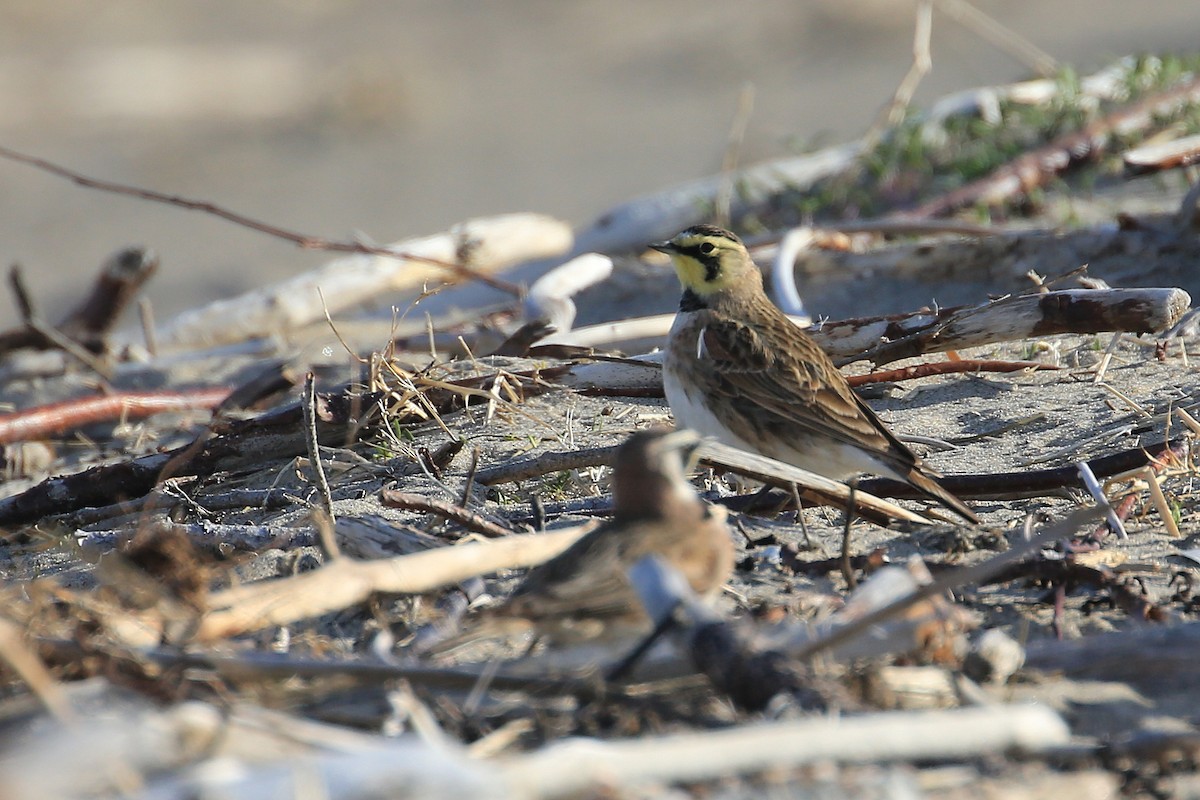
x,y
583,593
737,369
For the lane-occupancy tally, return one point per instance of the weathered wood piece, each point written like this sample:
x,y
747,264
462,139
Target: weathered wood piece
x,y
343,582
487,244
882,341
576,766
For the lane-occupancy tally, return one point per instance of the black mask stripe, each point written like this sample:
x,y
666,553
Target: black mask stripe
x,y
711,261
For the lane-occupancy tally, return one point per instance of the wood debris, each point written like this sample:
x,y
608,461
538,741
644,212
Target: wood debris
x,y
254,585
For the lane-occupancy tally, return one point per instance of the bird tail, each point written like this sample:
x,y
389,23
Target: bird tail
x,y
935,491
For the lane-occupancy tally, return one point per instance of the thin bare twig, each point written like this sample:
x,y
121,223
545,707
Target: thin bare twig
x,y
299,239
737,134
945,368
465,517
1001,36
24,301
62,342
309,406
922,63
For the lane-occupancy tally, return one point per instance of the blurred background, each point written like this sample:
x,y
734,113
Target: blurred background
x,y
382,119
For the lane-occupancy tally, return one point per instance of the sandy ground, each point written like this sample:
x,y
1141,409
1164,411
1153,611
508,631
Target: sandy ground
x,y
395,119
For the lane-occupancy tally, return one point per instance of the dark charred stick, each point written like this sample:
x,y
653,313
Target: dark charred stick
x,y
1035,483
273,378
790,559
21,296
523,338
120,279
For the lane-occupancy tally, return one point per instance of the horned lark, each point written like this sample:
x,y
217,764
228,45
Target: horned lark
x,y
583,593
738,369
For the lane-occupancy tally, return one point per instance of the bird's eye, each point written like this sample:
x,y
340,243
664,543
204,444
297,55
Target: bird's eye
x,y
707,248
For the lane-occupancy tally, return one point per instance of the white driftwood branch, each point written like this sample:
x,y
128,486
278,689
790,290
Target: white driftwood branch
x,y
617,376
608,333
550,296
493,243
344,582
577,765
1006,320
631,225
1009,319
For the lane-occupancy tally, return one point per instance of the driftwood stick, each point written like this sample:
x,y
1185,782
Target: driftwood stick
x,y
488,244
1181,152
544,463
344,582
470,520
769,470
1149,658
56,419
1009,319
210,536
573,767
888,338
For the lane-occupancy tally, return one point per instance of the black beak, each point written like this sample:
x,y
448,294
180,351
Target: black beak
x,y
663,247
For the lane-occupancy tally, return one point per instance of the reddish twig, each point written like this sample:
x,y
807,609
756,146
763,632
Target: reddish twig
x,y
944,368
465,517
1036,167
299,239
58,418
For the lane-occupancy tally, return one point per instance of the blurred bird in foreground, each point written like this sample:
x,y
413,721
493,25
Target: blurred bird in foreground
x,y
583,593
739,370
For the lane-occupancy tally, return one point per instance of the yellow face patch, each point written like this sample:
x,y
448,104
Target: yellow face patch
x,y
708,264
